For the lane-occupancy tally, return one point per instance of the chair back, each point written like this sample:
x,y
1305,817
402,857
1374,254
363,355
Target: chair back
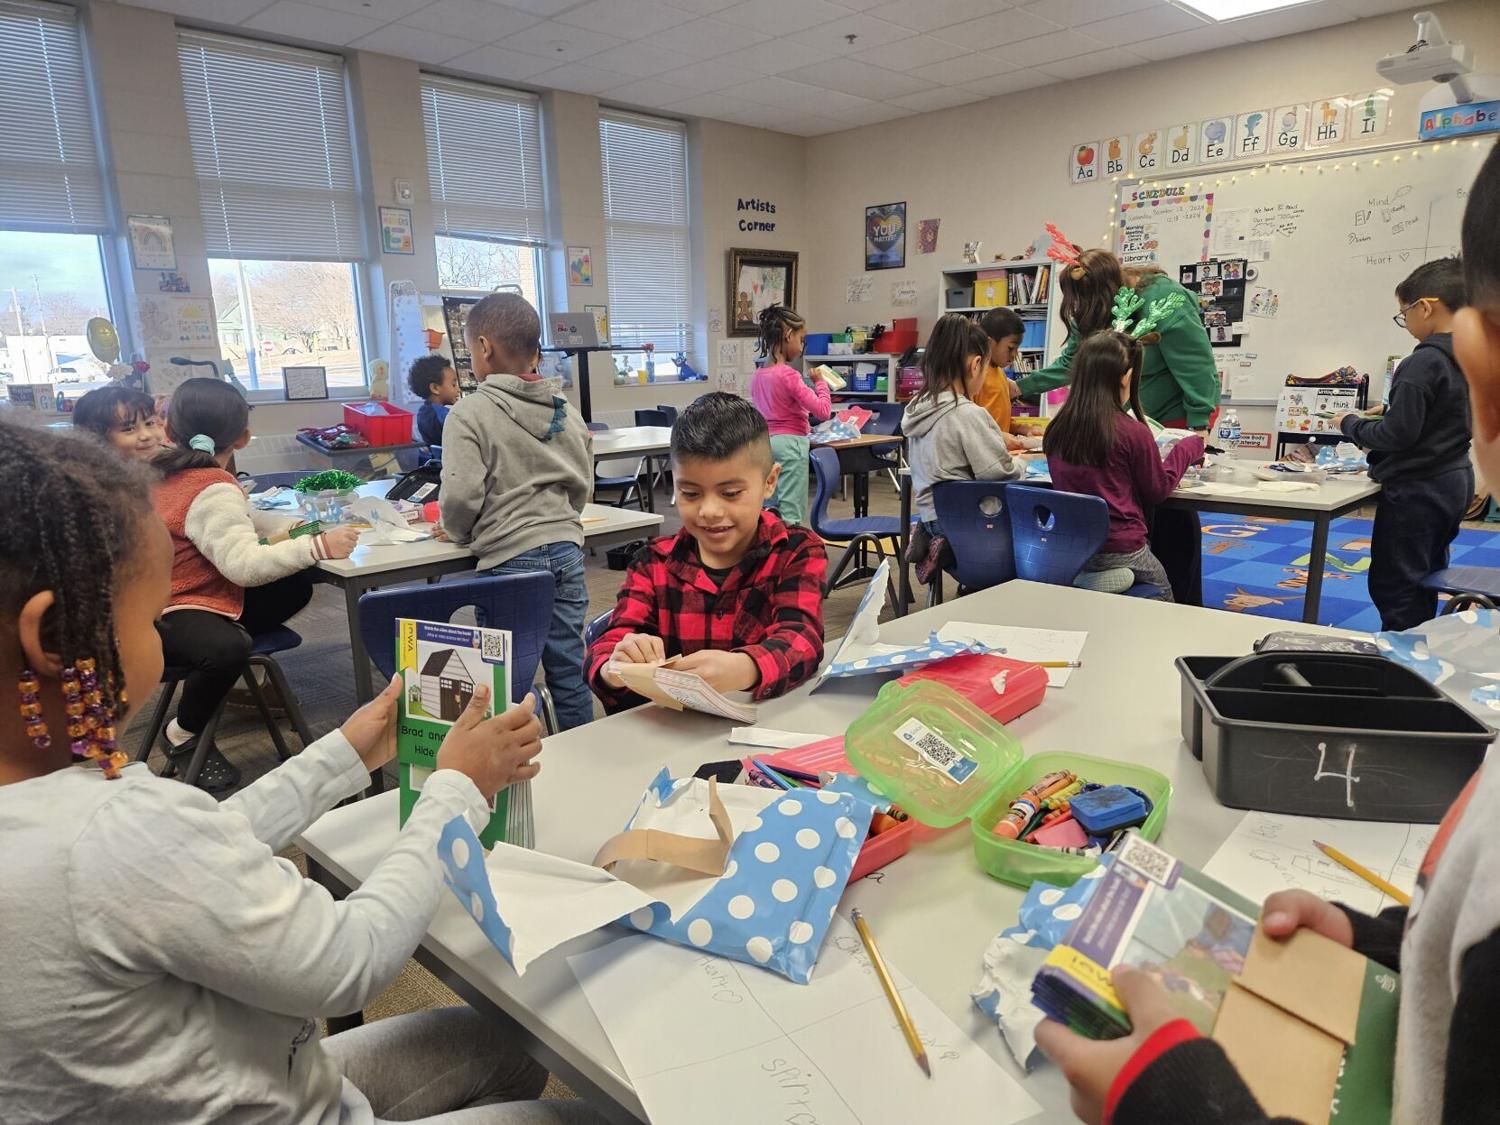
x,y
976,523
595,628
286,479
521,603
669,411
825,463
656,417
887,419
1054,533
598,427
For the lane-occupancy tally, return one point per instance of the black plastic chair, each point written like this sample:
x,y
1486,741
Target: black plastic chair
x,y
625,484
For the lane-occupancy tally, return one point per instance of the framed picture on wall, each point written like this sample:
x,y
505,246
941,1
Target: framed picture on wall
x,y
885,237
395,230
757,280
151,246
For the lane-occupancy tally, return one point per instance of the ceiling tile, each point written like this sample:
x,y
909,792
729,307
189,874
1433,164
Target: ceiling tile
x,y
560,42
581,78
1207,38
832,38
1071,13
929,100
833,103
872,113
820,126
1048,48
780,92
384,10
775,57
1305,17
996,30
924,15
1112,58
625,19
859,79
1152,23
317,25
706,38
716,106
544,8
963,70
411,43
648,92
479,21
909,53
715,74
702,7
782,17
500,62
1366,8
637,60
215,11
1010,82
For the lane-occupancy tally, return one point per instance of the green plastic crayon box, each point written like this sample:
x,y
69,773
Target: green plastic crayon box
x,y
943,760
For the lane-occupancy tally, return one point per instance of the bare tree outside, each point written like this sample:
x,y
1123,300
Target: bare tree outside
x,y
472,263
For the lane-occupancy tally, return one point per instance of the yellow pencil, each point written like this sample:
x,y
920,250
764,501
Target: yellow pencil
x,y
903,1017
1365,873
1058,663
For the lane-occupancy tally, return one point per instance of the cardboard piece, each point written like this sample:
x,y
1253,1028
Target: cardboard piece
x,y
707,857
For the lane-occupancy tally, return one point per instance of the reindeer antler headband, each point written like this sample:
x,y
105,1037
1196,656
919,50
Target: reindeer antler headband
x,y
1064,251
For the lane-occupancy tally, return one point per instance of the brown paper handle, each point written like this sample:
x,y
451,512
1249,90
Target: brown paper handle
x,y
705,856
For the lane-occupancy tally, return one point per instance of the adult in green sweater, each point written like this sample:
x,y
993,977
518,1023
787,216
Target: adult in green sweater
x,y
1179,381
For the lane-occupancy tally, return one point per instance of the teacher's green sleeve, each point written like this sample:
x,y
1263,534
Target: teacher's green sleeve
x,y
1190,359
1055,374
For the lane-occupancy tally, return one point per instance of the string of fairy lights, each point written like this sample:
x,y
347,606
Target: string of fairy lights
x,y
1349,163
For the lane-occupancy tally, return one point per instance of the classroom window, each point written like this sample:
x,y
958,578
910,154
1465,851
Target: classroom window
x,y
476,265
646,233
52,207
274,155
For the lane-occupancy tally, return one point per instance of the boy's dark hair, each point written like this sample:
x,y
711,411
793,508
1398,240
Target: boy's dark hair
x,y
78,513
1481,234
1083,433
1442,278
955,338
777,322
426,372
104,410
717,426
507,321
1001,324
210,407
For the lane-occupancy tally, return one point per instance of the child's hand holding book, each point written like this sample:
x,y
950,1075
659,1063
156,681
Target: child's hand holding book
x,y
497,752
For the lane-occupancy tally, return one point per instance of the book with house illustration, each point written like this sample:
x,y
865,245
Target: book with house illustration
x,y
440,666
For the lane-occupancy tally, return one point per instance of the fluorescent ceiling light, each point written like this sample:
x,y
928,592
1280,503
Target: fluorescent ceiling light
x,y
1220,10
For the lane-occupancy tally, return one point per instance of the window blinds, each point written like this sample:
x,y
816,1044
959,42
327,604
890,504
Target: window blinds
x,y
646,238
272,150
49,161
484,159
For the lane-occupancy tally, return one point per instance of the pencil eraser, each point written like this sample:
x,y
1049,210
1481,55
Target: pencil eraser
x,y
1063,834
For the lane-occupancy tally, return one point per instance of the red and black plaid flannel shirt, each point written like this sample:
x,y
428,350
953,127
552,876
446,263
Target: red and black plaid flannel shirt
x,y
770,607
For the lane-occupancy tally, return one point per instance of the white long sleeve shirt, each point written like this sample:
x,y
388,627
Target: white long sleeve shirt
x,y
159,963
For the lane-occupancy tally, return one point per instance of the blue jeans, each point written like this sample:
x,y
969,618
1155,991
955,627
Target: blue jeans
x,y
563,654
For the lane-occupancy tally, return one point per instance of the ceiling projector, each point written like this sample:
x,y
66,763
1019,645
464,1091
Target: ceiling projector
x,y
1432,58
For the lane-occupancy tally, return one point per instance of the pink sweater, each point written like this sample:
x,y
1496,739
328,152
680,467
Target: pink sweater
x,y
780,394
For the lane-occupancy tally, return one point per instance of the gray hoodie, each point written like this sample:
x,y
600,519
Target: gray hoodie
x,y
951,438
517,469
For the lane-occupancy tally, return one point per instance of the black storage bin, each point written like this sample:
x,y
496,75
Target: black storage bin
x,y
619,557
1327,734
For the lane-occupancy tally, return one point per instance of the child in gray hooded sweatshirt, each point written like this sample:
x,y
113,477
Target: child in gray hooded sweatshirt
x,y
948,435
517,472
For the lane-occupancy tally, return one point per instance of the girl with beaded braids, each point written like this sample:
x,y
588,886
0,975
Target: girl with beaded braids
x,y
779,392
148,928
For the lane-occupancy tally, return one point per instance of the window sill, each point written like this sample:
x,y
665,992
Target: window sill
x,y
335,395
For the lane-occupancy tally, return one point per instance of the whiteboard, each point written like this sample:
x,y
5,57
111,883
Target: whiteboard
x,y
1327,243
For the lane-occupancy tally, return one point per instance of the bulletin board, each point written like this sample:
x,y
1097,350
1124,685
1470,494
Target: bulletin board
x,y
1327,239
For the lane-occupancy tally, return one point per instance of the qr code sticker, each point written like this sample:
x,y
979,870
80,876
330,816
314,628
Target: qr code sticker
x,y
492,645
937,751
1150,861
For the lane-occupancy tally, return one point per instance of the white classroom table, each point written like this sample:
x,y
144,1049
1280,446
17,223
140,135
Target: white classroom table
x,y
649,442
370,568
934,910
1335,497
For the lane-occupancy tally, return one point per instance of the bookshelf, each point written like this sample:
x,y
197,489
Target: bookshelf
x,y
845,366
1031,280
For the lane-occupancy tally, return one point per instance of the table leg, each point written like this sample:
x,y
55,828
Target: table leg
x,y
1314,594
903,540
649,493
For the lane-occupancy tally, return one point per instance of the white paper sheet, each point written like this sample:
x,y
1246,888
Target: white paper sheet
x,y
767,736
696,1031
1022,644
1269,852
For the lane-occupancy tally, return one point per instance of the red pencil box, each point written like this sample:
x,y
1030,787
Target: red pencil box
x,y
1001,687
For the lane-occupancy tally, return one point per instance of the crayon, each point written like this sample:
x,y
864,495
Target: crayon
x,y
1026,805
881,823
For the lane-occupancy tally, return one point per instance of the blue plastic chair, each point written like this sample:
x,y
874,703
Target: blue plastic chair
x,y
976,523
858,534
595,628
1055,533
669,412
626,486
1469,586
657,417
521,603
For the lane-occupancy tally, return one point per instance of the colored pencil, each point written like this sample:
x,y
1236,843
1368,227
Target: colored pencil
x,y
797,775
1388,889
903,1017
1058,663
776,778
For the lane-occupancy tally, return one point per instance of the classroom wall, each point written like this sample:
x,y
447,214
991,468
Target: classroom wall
x,y
997,170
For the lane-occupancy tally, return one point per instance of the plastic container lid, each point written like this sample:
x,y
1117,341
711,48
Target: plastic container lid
x,y
931,751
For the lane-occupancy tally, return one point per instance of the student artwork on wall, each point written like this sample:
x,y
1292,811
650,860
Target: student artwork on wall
x,y
927,235
580,265
151,245
395,230
885,237
757,280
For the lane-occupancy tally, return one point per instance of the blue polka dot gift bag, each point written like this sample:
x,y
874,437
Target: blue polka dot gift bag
x,y
751,874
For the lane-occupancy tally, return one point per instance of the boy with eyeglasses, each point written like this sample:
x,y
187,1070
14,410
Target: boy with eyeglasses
x,y
1419,450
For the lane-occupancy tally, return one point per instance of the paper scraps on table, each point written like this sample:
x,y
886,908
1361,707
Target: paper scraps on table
x,y
1034,645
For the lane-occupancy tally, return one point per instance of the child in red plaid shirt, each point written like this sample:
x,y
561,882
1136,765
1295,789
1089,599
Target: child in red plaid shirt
x,y
736,593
